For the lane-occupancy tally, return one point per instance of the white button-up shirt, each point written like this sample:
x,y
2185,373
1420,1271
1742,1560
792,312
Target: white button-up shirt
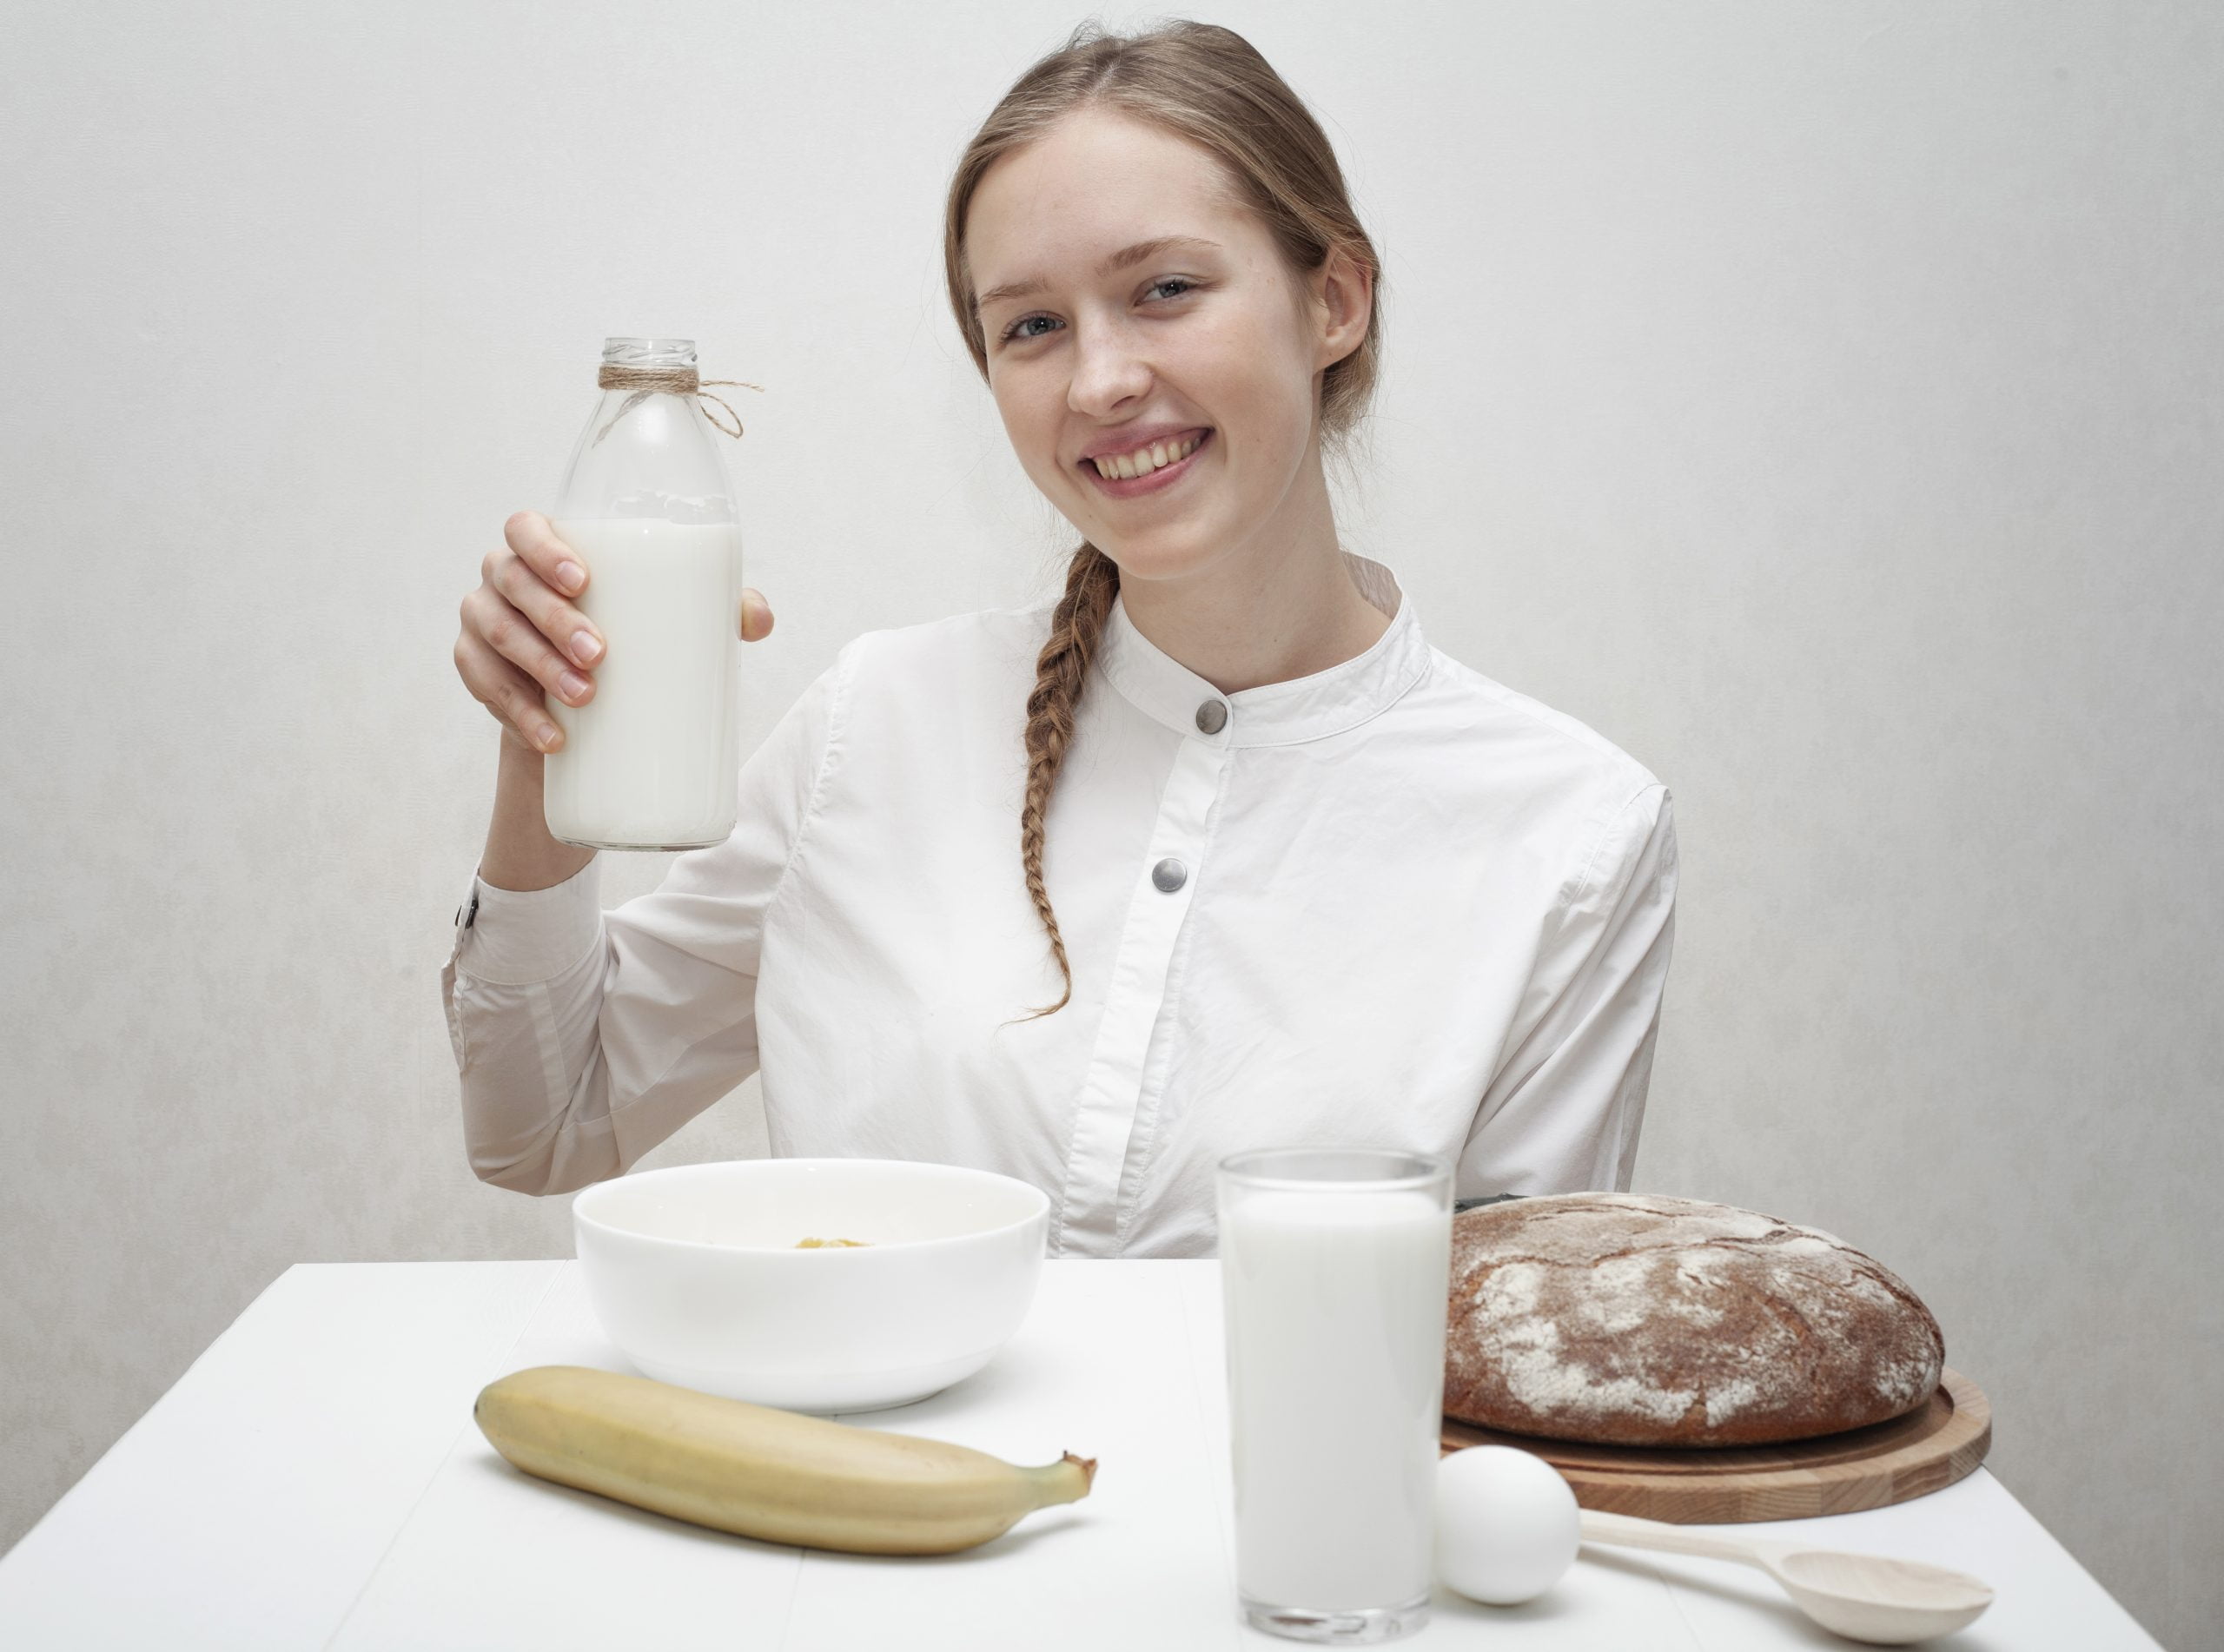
x,y
1391,904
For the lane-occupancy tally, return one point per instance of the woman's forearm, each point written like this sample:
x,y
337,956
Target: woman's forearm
x,y
519,853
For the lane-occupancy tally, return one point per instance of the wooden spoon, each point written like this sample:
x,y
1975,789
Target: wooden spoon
x,y
1863,1597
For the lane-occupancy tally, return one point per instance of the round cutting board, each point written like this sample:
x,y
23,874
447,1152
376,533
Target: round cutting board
x,y
1863,1468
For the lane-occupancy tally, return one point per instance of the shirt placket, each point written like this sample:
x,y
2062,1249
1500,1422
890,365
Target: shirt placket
x,y
1111,1092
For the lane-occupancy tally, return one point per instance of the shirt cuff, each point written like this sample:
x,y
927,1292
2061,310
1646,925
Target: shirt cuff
x,y
515,937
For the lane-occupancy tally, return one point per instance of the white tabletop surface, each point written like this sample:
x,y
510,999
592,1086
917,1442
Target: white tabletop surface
x,y
315,1481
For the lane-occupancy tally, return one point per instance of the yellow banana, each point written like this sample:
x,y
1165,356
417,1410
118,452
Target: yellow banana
x,y
774,1475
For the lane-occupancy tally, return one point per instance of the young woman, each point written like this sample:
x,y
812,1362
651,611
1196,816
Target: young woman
x,y
1283,874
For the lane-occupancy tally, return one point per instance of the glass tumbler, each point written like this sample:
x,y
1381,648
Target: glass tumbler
x,y
1335,1264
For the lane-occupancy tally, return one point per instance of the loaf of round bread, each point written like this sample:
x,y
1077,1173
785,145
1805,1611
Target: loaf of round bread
x,y
1627,1319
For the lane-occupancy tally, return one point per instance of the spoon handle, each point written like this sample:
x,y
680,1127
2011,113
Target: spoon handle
x,y
1627,1531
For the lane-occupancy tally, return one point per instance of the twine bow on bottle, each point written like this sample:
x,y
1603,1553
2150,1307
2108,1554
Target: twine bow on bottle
x,y
644,382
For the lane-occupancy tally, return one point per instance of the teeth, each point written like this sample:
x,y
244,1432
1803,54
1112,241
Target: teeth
x,y
1143,461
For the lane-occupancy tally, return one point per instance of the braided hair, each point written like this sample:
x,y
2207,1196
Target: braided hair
x,y
1061,669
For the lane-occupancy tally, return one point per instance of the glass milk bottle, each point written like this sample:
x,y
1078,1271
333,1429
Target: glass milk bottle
x,y
652,761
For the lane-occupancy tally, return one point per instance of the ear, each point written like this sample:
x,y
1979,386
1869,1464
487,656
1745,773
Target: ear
x,y
1343,295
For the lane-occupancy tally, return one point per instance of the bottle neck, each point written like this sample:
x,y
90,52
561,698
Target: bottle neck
x,y
666,356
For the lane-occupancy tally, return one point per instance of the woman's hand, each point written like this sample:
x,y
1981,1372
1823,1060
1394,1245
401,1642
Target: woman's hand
x,y
522,636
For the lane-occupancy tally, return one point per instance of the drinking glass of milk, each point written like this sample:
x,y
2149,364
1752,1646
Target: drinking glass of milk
x,y
1335,1266
652,761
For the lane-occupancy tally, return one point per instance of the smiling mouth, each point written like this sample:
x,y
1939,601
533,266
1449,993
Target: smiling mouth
x,y
1146,461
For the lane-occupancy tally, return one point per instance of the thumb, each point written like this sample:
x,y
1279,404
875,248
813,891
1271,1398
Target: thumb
x,y
756,618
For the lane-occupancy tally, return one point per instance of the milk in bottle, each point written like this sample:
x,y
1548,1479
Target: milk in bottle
x,y
652,761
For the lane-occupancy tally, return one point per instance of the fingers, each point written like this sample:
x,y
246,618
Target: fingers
x,y
536,574
756,616
533,538
511,695
502,624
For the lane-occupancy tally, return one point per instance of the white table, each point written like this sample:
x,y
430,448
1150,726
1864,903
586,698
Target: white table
x,y
315,1481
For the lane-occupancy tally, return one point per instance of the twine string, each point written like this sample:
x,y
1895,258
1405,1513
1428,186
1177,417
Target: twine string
x,y
644,382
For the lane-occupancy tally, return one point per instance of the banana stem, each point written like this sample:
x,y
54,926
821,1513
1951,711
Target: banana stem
x,y
1068,1480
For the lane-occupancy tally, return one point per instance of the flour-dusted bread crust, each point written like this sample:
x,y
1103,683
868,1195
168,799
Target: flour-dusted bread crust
x,y
1626,1319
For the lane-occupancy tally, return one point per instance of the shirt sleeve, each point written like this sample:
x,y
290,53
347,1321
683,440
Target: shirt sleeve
x,y
584,1038
1563,1112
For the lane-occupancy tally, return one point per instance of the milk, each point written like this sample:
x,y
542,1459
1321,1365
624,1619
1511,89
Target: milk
x,y
653,760
1335,1306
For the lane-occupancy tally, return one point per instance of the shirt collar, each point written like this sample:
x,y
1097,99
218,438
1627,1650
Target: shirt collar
x,y
1305,708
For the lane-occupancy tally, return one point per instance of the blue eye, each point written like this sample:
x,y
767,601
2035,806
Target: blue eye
x,y
1024,330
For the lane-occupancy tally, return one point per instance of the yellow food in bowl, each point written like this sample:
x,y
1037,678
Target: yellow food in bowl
x,y
832,1243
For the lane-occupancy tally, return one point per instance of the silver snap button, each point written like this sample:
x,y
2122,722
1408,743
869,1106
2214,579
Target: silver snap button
x,y
1170,875
1212,716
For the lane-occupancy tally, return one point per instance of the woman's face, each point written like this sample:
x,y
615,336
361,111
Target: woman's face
x,y
1116,343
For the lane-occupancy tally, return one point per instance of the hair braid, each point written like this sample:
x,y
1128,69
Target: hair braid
x,y
1061,673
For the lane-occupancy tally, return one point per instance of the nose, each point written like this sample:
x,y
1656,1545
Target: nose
x,y
1108,370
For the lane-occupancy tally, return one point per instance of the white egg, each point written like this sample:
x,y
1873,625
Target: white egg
x,y
1506,1524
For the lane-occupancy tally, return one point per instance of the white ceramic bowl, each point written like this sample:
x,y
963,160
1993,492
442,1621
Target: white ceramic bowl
x,y
695,1275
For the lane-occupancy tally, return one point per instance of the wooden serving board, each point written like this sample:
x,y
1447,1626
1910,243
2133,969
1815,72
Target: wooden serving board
x,y
1863,1468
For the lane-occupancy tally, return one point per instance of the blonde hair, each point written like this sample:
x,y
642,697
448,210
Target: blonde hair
x,y
1209,85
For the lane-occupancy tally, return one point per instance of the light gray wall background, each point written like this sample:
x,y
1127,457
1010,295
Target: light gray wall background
x,y
1821,400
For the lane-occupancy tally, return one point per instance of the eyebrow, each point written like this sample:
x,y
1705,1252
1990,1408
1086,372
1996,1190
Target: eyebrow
x,y
1126,258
